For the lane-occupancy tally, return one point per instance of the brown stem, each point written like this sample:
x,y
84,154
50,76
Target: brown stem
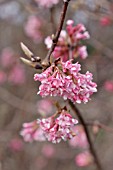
x,y
81,119
46,61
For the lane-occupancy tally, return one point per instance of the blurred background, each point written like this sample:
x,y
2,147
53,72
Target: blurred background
x,y
29,22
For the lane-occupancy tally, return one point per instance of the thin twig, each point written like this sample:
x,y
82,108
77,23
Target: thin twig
x,y
81,119
46,61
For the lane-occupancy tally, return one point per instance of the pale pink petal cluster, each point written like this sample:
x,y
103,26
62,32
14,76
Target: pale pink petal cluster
x,y
13,71
53,129
105,21
33,28
32,132
108,85
16,144
80,141
57,129
45,107
17,75
66,81
48,150
47,3
68,45
7,57
84,159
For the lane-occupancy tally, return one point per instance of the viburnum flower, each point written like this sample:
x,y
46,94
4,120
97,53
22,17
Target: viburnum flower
x,y
47,3
33,28
80,140
31,131
84,159
69,43
53,129
57,129
65,80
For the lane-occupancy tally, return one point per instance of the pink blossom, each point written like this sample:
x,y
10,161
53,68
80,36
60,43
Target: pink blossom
x,y
7,57
33,28
68,45
17,75
66,81
16,144
80,140
58,129
3,77
47,3
84,159
44,107
105,21
109,86
31,131
48,150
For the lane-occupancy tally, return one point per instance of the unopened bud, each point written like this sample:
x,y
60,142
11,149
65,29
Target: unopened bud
x,y
27,62
25,49
53,36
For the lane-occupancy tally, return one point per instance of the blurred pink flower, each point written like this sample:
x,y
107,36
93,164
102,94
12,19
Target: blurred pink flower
x,y
48,150
105,21
33,28
16,144
3,77
69,43
47,3
84,159
80,140
108,85
7,57
44,107
17,75
32,132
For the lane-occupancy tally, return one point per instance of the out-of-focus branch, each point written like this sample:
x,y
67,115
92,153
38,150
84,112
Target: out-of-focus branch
x,y
82,121
100,125
9,98
46,61
52,20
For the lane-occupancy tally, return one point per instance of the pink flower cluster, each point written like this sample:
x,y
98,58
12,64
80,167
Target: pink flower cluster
x,y
33,28
32,132
47,3
57,129
64,79
68,45
53,129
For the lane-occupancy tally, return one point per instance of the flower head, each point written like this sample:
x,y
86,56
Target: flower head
x,y
68,45
57,129
31,131
66,81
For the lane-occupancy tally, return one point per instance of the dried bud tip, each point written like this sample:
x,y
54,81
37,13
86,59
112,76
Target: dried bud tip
x,y
27,52
53,36
35,59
